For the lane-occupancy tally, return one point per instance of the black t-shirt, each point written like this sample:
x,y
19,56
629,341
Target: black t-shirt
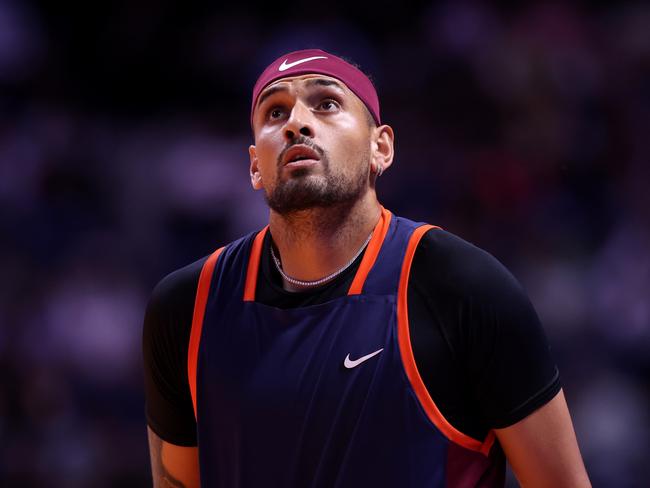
x,y
477,341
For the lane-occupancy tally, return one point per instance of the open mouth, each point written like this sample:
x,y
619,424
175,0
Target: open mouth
x,y
299,153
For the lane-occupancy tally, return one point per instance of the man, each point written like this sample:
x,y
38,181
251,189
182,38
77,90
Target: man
x,y
342,345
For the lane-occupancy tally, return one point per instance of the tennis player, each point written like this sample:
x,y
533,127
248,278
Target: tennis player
x,y
343,345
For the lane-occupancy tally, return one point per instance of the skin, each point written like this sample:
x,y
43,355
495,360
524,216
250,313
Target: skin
x,y
542,448
173,466
313,242
317,241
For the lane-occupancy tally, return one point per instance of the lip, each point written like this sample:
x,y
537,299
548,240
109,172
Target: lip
x,y
302,163
308,155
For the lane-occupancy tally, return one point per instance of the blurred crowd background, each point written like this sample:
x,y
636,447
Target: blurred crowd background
x,y
522,127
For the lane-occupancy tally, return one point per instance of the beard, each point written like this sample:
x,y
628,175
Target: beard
x,y
304,190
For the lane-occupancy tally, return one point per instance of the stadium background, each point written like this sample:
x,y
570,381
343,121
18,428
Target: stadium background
x,y
123,155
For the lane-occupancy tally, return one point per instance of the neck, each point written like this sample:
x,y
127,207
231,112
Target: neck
x,y
316,242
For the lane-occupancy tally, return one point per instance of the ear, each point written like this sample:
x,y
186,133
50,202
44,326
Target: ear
x,y
256,177
383,148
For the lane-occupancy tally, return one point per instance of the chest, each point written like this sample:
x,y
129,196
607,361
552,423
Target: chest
x,y
265,358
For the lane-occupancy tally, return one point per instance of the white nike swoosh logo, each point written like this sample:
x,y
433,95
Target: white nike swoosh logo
x,y
285,66
348,363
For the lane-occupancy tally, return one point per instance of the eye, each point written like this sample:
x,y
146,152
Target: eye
x,y
275,113
328,105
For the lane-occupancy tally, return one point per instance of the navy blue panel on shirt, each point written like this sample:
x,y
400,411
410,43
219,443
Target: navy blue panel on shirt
x,y
280,404
450,279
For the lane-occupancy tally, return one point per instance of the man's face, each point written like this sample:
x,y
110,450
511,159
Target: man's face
x,y
312,144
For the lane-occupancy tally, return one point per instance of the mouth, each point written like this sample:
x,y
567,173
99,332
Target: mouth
x,y
300,155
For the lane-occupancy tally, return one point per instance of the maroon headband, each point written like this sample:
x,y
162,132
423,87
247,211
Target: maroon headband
x,y
317,61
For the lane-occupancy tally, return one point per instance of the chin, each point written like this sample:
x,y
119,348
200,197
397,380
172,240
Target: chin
x,y
300,172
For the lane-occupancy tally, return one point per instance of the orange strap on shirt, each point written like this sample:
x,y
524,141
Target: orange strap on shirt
x,y
253,266
408,359
370,256
197,320
367,262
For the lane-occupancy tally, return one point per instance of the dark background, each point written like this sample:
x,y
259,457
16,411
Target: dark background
x,y
123,155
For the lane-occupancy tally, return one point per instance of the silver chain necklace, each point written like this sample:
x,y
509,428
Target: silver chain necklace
x,y
307,284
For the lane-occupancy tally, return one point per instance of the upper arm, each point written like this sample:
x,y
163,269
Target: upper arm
x,y
496,352
165,340
169,410
172,465
542,448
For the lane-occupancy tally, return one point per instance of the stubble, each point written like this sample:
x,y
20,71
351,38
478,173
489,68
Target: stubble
x,y
304,190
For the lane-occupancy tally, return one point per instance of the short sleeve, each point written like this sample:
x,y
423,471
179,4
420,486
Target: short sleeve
x,y
507,352
166,332
500,365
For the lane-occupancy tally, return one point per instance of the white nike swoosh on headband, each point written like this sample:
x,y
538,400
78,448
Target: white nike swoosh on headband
x,y
285,66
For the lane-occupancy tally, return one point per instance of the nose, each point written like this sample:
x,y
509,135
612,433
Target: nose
x,y
299,122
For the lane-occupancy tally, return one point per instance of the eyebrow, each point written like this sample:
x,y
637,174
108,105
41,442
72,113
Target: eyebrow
x,y
309,83
324,82
267,93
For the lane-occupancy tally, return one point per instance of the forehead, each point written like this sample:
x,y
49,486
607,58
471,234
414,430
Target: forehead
x,y
301,83
303,80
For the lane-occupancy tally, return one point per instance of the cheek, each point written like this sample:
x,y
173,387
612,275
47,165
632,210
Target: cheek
x,y
267,153
354,133
351,149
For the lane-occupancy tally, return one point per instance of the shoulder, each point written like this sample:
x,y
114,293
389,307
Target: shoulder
x,y
171,303
177,284
180,286
448,262
165,339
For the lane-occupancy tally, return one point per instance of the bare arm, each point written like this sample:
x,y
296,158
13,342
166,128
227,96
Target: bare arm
x,y
173,466
542,448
